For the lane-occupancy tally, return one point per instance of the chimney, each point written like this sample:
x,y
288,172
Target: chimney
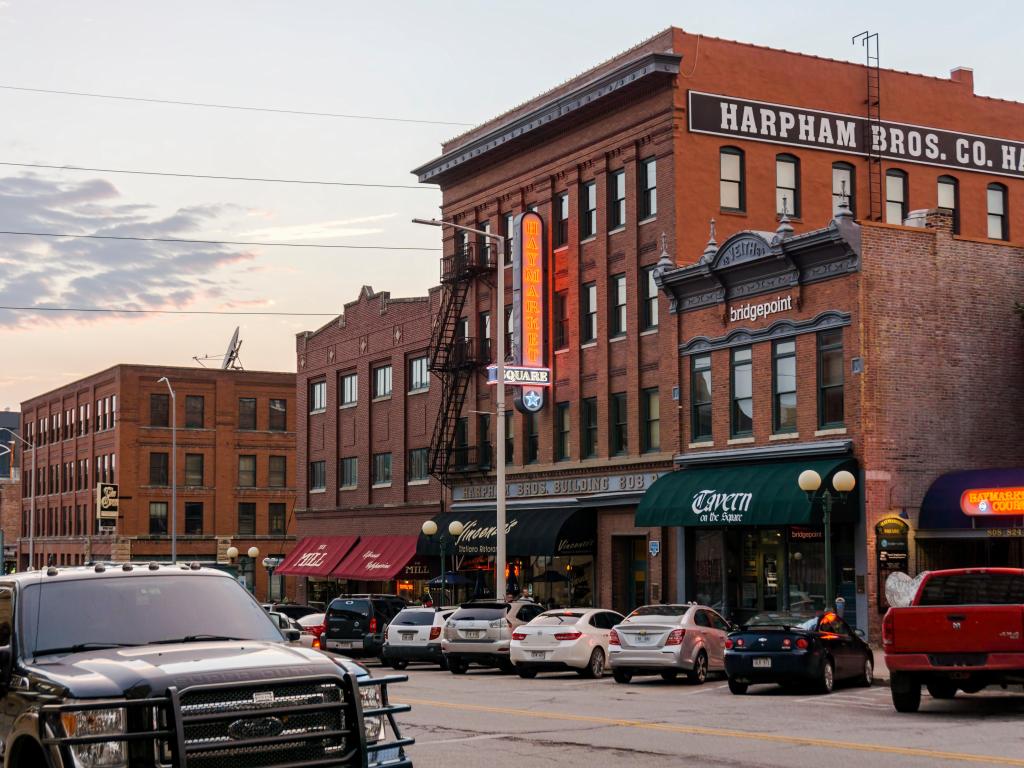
x,y
964,76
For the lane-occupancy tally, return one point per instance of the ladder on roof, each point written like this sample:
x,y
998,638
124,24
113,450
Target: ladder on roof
x,y
873,102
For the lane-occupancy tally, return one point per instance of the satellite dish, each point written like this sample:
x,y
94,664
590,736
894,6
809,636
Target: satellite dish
x,y
231,360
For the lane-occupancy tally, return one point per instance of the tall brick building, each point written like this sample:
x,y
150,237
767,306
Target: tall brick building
x,y
235,468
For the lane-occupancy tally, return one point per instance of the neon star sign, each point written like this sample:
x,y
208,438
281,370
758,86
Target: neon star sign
x,y
529,312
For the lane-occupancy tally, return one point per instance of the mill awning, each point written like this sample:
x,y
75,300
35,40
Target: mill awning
x,y
529,532
763,493
974,498
377,558
316,555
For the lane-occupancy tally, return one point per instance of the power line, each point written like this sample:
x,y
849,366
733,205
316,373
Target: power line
x,y
211,176
233,106
167,311
222,242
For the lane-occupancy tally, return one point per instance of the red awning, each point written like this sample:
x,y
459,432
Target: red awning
x,y
316,555
377,558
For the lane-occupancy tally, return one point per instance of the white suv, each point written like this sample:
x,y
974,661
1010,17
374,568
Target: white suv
x,y
415,635
481,632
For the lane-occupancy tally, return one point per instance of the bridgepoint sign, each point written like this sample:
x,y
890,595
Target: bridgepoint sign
x,y
757,311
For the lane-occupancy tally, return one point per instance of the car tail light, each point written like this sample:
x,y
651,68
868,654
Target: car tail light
x,y
568,635
728,643
373,625
786,643
316,642
801,643
675,637
740,642
613,638
518,635
888,630
387,630
435,632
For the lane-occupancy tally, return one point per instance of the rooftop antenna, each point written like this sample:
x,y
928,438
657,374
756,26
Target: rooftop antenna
x,y
231,360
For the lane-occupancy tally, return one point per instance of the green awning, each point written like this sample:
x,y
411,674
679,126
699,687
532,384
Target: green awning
x,y
741,494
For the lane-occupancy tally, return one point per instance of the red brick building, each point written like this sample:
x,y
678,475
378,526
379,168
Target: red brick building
x,y
10,486
235,468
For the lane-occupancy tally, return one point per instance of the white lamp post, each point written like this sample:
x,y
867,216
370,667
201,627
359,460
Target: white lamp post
x,y
843,482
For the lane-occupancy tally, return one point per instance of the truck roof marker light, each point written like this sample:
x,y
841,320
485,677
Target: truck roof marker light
x,y
100,568
154,566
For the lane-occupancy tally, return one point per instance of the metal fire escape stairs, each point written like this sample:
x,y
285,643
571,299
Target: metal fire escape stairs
x,y
873,102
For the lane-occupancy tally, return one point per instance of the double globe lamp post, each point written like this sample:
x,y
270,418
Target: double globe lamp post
x,y
455,529
843,482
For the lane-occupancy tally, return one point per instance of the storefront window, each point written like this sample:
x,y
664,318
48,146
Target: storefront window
x,y
708,555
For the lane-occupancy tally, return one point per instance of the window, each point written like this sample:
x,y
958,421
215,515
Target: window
x,y
787,185
278,421
484,327
193,518
843,175
247,411
508,329
460,444
416,469
648,300
247,471
732,191
159,412
349,389
317,396
742,417
532,448
158,469
648,189
246,518
382,469
561,312
650,433
588,210
194,406
616,199
830,378
617,305
277,475
784,386
348,472
619,424
483,436
588,417
588,313
948,198
157,518
194,469
382,381
561,233
895,196
997,219
510,436
317,475
563,425
419,374
483,244
277,514
510,230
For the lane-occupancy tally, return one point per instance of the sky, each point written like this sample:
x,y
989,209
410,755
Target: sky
x,y
443,61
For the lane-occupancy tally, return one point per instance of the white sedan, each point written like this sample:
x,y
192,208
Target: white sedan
x,y
564,639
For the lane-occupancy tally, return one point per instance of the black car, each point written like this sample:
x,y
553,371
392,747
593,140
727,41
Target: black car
x,y
355,623
793,649
291,610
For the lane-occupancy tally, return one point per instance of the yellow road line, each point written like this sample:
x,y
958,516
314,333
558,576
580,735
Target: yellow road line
x,y
693,730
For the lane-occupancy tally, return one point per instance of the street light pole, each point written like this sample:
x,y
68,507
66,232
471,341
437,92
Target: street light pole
x,y
174,470
455,529
843,482
499,479
32,500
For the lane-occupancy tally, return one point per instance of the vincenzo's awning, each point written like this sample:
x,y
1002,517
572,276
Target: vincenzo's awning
x,y
974,498
763,493
530,532
377,558
316,556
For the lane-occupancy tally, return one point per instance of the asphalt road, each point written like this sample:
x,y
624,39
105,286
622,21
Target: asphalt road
x,y
494,720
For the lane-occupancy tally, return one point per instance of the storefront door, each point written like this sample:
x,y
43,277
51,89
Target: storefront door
x,y
762,570
629,577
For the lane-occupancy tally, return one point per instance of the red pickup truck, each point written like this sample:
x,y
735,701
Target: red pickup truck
x,y
963,630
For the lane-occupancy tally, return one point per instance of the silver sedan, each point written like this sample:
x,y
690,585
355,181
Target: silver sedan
x,y
668,640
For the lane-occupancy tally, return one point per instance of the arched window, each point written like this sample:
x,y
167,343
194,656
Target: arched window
x,y
949,199
895,196
732,179
787,185
998,221
844,185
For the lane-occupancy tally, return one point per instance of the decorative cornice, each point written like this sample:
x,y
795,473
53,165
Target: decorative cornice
x,y
767,453
780,329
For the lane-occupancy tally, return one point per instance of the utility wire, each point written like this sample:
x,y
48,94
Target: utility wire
x,y
210,176
167,311
232,106
222,242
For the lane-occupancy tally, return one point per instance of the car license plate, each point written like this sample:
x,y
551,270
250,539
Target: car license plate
x,y
472,634
407,635
762,663
537,654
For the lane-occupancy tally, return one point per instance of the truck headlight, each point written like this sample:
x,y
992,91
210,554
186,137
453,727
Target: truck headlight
x,y
369,697
97,722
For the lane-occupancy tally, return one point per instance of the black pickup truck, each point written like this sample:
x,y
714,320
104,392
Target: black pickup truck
x,y
170,666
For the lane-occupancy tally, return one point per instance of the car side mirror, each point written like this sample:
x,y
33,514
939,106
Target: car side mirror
x,y
291,635
860,633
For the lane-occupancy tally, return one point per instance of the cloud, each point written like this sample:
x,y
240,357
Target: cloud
x,y
320,230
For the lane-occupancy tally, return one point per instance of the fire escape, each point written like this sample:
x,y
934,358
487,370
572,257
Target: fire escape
x,y
455,357
873,103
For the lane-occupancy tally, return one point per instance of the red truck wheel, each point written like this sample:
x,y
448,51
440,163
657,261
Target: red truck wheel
x,y
906,692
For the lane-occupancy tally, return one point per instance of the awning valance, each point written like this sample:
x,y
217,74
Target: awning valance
x,y
377,558
316,555
974,498
529,532
764,493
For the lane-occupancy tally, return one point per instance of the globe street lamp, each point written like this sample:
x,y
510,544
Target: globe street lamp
x,y
429,529
843,482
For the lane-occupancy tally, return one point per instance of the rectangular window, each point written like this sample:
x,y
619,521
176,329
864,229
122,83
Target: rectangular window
x,y
348,472
158,469
194,406
416,469
317,475
617,305
246,518
277,476
561,233
382,381
895,197
382,469
508,328
159,412
648,188
278,415
158,518
419,374
510,230
742,417
650,437
532,447
588,419
619,425
483,436
349,389
588,313
193,518
948,198
247,411
317,396
649,300
830,378
784,386
732,194
563,425
460,445
510,437
247,471
996,198
842,187
483,244
484,327
194,469
561,313
616,199
588,210
787,185
278,518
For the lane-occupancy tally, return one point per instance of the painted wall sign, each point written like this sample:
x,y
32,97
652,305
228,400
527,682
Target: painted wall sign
x,y
892,551
982,502
106,501
850,134
568,486
529,307
756,311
